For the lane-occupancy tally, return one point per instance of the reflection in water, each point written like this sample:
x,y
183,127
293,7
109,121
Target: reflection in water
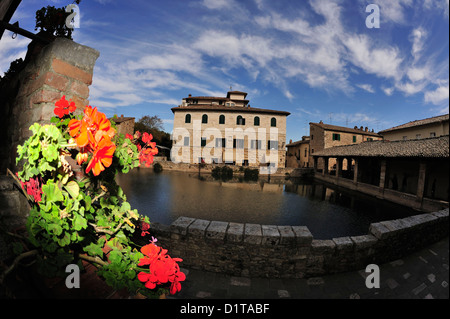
x,y
326,212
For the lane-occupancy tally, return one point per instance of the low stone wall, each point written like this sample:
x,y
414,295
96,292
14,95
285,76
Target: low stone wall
x,y
252,250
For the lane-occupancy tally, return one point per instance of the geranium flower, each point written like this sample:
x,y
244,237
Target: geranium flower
x,y
63,107
102,157
146,138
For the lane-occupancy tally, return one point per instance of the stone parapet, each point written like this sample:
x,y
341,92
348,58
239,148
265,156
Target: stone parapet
x,y
253,250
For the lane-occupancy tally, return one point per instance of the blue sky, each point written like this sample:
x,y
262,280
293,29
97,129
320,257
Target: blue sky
x,y
315,59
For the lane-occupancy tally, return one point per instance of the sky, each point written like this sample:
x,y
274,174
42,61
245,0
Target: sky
x,y
316,59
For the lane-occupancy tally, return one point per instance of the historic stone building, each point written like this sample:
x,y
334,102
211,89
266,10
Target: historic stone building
x,y
228,130
411,172
429,127
324,136
297,154
125,125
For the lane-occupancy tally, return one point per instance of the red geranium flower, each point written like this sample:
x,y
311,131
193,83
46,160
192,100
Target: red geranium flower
x,y
63,107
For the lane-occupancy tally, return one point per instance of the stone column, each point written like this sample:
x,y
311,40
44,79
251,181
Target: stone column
x,y
325,166
338,166
382,174
356,171
421,180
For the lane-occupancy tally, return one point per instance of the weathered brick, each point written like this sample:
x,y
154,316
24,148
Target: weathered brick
x,y
252,234
270,235
235,232
80,89
216,230
71,71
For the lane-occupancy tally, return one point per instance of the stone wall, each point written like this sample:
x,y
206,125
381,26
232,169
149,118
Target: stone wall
x,y
63,67
252,250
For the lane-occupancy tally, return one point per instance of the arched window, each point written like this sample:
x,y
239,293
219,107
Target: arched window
x,y
256,121
273,122
240,120
187,118
222,119
204,118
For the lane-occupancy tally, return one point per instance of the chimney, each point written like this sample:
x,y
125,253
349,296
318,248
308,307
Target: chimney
x,y
321,122
356,127
290,141
190,94
361,128
366,129
121,116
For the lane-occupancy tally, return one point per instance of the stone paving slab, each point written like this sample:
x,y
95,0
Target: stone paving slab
x,y
421,275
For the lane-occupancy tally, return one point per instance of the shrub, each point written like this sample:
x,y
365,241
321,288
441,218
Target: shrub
x,y
157,167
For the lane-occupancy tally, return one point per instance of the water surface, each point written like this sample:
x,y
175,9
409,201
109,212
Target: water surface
x,y
327,213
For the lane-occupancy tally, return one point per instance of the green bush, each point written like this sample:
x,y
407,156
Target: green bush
x,y
157,167
223,173
251,174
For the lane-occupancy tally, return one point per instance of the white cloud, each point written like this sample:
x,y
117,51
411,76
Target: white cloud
x,y
217,4
366,87
438,96
388,91
393,10
417,37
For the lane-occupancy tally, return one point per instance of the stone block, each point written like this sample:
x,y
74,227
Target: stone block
x,y
252,234
181,225
64,68
343,243
364,241
303,235
322,247
379,231
198,228
287,235
235,232
216,230
270,235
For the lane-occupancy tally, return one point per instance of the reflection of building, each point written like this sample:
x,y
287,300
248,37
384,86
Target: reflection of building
x,y
430,127
125,125
413,173
298,153
228,130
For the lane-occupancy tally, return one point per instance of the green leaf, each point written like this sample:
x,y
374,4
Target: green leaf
x,y
94,250
73,189
79,222
50,152
52,192
55,228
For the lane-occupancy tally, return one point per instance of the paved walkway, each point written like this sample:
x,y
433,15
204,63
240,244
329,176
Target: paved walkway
x,y
421,275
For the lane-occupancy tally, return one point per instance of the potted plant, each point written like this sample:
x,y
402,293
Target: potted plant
x,y
79,214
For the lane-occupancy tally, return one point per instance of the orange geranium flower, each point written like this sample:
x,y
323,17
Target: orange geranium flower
x,y
102,156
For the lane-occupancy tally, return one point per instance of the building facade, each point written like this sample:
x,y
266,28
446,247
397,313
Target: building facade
x,y
323,136
125,125
426,128
297,154
228,130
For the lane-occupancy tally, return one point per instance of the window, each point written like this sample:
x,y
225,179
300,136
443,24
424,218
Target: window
x,y
187,118
203,141
418,136
312,151
204,118
369,139
273,122
312,137
255,144
306,152
256,121
336,137
240,120
186,141
220,142
354,139
272,145
238,143
222,119
433,134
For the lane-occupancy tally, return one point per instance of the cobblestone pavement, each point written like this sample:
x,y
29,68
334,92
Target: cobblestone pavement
x,y
421,275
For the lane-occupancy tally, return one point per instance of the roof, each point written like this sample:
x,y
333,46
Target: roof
x,y
222,108
436,147
427,121
330,127
236,92
121,119
298,143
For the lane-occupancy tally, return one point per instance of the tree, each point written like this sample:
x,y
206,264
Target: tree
x,y
154,125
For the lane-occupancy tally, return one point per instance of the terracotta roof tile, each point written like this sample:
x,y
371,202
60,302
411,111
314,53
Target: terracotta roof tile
x,y
431,120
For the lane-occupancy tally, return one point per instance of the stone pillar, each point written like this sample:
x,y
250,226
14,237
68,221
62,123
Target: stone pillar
x,y
356,171
63,67
382,174
325,166
421,180
315,159
339,163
